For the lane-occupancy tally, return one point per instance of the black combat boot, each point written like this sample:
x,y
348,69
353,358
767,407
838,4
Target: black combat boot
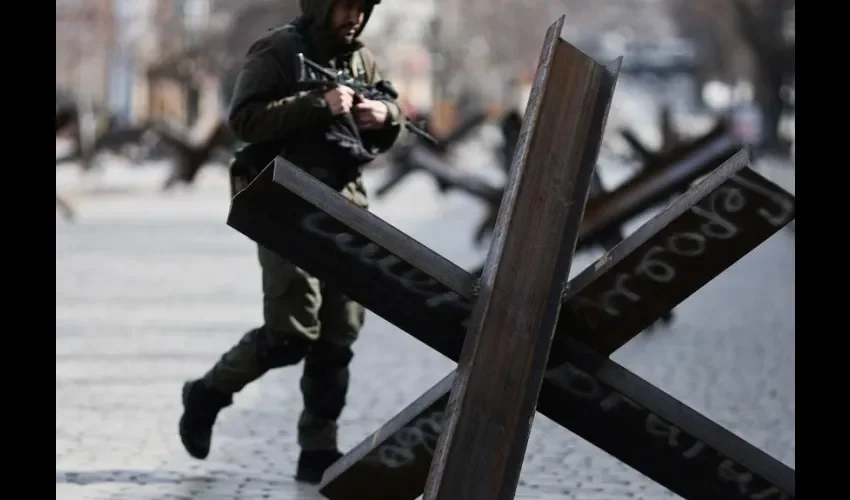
x,y
201,405
313,464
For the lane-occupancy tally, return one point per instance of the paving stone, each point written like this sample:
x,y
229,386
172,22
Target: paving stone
x,y
151,289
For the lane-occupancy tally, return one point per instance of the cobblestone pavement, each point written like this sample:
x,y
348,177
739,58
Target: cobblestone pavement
x,y
151,289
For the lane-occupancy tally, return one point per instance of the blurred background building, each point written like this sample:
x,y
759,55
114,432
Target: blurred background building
x,y
177,59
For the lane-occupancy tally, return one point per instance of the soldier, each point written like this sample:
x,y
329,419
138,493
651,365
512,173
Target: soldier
x,y
304,319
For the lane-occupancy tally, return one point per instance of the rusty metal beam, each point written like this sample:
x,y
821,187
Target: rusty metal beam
x,y
289,223
502,363
713,213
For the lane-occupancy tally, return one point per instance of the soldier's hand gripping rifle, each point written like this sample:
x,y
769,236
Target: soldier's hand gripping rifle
x,y
381,91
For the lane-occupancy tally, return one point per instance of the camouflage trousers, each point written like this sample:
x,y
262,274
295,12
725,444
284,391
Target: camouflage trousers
x,y
304,319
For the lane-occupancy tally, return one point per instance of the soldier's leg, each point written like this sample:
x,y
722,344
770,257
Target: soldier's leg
x,y
324,383
291,303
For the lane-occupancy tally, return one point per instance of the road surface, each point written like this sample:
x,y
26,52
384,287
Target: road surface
x,y
150,289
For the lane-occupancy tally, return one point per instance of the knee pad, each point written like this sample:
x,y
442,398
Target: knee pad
x,y
329,356
276,350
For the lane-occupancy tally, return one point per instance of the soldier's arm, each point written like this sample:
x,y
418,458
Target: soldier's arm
x,y
264,107
393,130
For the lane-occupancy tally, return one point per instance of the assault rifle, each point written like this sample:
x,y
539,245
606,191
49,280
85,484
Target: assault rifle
x,y
381,91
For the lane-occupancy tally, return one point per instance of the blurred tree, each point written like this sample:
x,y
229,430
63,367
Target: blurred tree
x,y
746,39
762,25
237,24
499,40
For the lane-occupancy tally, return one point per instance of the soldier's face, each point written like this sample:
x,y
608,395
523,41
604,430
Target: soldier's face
x,y
347,17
